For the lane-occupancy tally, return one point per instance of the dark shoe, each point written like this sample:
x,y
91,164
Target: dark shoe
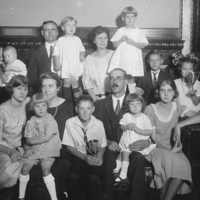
x,y
115,175
123,183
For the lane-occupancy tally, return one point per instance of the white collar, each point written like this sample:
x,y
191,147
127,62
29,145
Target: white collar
x,y
114,99
155,72
47,44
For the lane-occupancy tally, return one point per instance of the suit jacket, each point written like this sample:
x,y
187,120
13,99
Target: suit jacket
x,y
38,63
146,84
104,111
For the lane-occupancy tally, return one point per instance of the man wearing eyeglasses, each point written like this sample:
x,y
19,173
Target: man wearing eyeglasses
x,y
110,110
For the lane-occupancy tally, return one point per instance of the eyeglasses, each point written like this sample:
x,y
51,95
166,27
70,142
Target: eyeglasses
x,y
117,79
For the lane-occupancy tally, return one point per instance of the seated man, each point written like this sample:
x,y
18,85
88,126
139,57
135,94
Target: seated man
x,y
110,110
85,139
149,81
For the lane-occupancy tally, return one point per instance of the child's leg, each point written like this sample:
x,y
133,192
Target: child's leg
x,y
131,85
75,87
48,178
118,163
125,164
24,178
67,94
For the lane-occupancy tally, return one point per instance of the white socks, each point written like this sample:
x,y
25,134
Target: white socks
x,y
131,88
50,183
23,181
118,166
124,170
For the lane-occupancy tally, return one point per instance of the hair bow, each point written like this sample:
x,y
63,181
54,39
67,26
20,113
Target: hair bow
x,y
176,57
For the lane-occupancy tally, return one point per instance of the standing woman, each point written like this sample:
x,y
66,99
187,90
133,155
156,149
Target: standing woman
x,y
172,168
95,76
12,122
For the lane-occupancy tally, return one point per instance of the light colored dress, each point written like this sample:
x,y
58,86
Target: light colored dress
x,y
11,129
95,73
48,149
16,63
184,98
68,49
126,56
166,163
128,137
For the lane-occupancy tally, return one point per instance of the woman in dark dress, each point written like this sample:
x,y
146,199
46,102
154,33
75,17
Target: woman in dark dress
x,y
61,109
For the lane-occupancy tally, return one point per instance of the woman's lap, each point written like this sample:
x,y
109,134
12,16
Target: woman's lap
x,y
9,171
170,165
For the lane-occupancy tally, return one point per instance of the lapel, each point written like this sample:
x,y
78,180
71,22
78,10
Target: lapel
x,y
149,80
113,119
161,76
44,56
110,110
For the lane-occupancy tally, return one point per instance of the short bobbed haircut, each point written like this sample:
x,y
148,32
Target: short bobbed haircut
x,y
134,97
84,98
99,30
38,98
187,60
67,19
10,48
16,81
154,52
167,82
95,32
51,75
129,10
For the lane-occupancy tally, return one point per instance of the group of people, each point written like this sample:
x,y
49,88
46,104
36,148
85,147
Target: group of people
x,y
112,133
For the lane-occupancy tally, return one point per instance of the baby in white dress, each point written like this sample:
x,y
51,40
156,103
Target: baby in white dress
x,y
68,56
136,126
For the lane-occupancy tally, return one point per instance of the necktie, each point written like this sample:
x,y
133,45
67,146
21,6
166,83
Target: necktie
x,y
51,52
85,136
154,80
117,108
50,57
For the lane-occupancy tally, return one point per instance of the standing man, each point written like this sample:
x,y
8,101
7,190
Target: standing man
x,y
110,110
41,58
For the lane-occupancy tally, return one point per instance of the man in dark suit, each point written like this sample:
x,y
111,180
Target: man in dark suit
x,y
110,110
41,58
149,81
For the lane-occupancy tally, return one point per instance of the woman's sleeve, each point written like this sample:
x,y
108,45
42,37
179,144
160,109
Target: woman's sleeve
x,y
87,75
181,109
27,132
151,115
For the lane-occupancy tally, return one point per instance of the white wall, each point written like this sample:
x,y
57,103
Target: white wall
x,y
89,13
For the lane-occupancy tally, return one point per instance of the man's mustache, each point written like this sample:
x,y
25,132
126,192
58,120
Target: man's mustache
x,y
115,85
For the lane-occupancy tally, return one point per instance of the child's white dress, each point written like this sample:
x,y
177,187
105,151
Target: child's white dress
x,y
68,49
184,98
126,56
128,137
48,149
16,63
